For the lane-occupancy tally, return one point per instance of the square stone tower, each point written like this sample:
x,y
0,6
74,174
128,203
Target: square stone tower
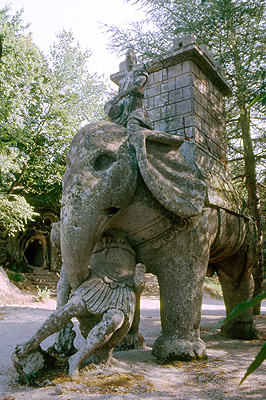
x,y
185,96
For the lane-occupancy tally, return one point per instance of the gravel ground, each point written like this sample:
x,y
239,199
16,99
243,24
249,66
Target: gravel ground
x,y
135,375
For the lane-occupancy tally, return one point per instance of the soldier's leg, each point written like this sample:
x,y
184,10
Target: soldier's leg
x,y
112,320
56,321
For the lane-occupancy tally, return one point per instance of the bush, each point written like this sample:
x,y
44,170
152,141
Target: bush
x,y
16,277
43,294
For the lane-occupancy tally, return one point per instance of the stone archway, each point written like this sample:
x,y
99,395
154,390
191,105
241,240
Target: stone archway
x,y
35,251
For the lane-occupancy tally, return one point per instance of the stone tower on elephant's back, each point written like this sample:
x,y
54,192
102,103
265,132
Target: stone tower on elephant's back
x,y
185,96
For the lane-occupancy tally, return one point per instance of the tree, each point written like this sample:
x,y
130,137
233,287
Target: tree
x,y
14,210
42,106
235,32
81,92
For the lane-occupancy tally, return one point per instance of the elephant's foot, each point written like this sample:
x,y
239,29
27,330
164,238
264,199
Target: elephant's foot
x,y
240,330
171,348
132,341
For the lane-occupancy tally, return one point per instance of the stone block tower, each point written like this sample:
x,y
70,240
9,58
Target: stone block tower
x,y
185,96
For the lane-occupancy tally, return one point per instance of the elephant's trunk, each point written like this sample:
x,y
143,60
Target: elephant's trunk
x,y
77,244
82,221
99,180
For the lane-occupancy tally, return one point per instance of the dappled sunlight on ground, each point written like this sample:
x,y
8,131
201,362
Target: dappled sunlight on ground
x,y
136,374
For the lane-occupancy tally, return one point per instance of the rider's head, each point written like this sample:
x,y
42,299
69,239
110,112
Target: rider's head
x,y
131,59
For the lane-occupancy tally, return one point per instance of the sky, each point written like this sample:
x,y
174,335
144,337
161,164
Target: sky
x,y
83,17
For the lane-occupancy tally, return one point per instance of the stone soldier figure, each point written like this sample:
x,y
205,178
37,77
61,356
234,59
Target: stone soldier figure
x,y
127,107
104,305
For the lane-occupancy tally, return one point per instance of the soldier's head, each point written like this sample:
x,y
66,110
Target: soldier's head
x,y
131,60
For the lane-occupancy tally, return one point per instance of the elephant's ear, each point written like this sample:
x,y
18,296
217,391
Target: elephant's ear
x,y
173,182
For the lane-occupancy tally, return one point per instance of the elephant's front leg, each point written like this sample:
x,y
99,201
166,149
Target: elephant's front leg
x,y
181,266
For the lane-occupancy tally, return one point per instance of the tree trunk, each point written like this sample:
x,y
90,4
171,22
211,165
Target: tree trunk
x,y
253,199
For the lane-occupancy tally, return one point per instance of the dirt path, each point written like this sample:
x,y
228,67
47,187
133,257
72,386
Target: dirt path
x,y
135,374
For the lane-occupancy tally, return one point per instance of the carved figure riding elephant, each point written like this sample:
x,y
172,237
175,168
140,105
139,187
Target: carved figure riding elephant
x,y
138,183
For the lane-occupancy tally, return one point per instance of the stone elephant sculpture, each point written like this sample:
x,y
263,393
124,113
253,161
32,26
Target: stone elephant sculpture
x,y
134,192
139,184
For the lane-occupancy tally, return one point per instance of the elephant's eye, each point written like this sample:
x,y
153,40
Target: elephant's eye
x,y
103,162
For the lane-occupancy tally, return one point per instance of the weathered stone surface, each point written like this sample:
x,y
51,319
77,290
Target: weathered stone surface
x,y
32,365
104,304
140,196
175,248
187,92
29,365
184,96
127,107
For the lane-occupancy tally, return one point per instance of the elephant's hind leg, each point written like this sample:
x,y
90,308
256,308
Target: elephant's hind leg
x,y
99,335
241,327
237,284
236,289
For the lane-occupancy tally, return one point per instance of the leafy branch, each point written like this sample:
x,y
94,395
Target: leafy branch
x,y
238,310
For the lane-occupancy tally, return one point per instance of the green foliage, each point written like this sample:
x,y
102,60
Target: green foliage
x,y
238,310
16,277
81,93
17,267
261,97
14,212
43,104
43,294
234,30
260,357
14,209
